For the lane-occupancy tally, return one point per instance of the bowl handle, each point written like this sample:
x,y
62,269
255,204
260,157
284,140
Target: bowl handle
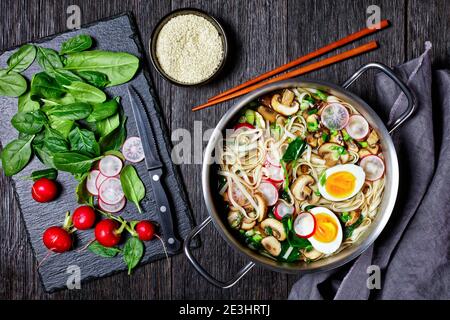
x,y
201,270
387,71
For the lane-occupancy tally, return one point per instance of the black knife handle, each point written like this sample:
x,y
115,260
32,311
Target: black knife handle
x,y
164,211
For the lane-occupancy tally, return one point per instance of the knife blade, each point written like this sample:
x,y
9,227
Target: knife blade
x,y
155,169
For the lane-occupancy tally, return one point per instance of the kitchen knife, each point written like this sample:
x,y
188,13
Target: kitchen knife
x,y
154,168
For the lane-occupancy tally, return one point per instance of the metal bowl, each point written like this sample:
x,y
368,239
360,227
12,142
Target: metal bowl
x,y
385,209
181,12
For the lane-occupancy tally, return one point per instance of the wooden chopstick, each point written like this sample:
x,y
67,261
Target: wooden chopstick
x,y
308,68
339,43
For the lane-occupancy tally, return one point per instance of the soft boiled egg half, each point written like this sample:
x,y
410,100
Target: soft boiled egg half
x,y
327,237
341,182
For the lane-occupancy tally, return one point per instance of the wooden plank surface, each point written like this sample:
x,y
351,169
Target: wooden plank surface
x,y
262,35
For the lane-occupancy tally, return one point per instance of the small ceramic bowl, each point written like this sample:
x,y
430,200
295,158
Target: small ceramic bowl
x,y
161,24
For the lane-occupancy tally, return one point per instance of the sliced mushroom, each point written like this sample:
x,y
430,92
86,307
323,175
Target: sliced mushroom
x,y
247,224
288,97
234,219
351,146
276,226
262,207
373,149
311,140
268,113
337,138
354,216
344,158
317,160
312,255
285,110
373,138
363,152
328,151
272,245
303,169
301,187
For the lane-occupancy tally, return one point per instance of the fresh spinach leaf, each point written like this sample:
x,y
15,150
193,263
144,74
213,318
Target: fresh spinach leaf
x,y
21,59
108,125
132,185
84,92
95,78
50,173
48,59
115,139
29,122
50,102
83,141
55,145
12,84
103,110
64,77
43,154
16,155
102,251
81,192
73,111
73,162
119,67
62,126
25,103
44,86
294,150
133,250
76,44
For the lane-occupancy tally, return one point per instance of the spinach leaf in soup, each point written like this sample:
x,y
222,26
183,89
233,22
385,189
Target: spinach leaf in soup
x,y
73,111
20,60
103,110
83,141
48,59
12,84
25,104
95,78
84,92
16,155
44,86
29,122
132,185
76,44
294,150
119,67
73,162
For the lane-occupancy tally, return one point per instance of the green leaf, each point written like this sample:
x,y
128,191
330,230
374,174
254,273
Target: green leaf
x,y
44,86
323,178
43,154
16,155
83,195
83,141
133,251
132,185
348,231
55,145
294,150
103,110
119,67
50,102
115,153
21,59
50,173
12,84
115,139
76,44
73,162
293,256
48,59
102,251
62,126
29,122
26,104
84,92
108,125
73,111
98,79
64,77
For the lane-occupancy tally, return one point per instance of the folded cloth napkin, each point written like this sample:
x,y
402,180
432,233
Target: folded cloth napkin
x,y
413,252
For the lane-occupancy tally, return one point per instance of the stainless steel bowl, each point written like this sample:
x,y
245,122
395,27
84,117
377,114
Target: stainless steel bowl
x,y
390,194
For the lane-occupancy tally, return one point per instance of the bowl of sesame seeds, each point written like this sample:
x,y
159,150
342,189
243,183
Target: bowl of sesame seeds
x,y
188,47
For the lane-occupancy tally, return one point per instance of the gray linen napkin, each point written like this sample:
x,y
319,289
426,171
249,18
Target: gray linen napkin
x,y
413,252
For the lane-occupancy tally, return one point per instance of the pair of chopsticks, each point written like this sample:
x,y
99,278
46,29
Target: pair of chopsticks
x,y
261,81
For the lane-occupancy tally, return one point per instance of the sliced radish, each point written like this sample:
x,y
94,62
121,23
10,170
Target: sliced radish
x,y
110,166
357,127
91,182
305,225
273,160
276,183
237,195
132,149
243,125
335,116
274,173
112,208
99,180
110,191
270,192
373,167
282,209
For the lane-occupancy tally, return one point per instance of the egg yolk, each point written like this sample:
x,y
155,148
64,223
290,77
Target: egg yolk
x,y
340,184
327,229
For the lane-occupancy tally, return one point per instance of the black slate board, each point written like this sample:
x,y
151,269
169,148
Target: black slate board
x,y
114,34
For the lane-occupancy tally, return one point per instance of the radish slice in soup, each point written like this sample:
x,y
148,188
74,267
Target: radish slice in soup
x,y
99,180
110,166
269,192
112,208
243,125
335,116
357,127
111,191
373,167
282,209
132,149
91,182
237,195
305,225
274,173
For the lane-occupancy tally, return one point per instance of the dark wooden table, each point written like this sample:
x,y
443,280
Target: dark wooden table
x,y
263,34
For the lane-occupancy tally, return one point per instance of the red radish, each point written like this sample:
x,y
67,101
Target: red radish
x,y
110,166
270,159
99,181
238,196
274,173
57,239
270,192
91,182
44,190
107,233
243,125
357,127
112,208
373,167
305,225
110,191
145,230
335,116
282,209
132,149
83,218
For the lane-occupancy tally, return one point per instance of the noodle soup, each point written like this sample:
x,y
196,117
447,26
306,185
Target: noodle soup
x,y
301,174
